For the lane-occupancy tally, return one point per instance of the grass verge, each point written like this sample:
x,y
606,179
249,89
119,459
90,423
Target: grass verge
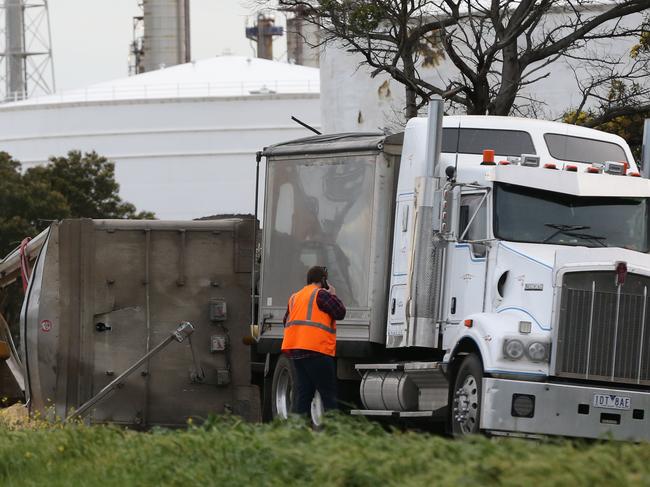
x,y
348,452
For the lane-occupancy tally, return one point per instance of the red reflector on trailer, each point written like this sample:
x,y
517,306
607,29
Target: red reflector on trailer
x,y
550,165
571,167
468,323
634,174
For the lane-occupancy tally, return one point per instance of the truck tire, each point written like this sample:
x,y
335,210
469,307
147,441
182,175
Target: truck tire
x,y
465,407
283,388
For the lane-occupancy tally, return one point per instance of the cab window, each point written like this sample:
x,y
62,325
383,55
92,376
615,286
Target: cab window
x,y
474,141
581,149
473,220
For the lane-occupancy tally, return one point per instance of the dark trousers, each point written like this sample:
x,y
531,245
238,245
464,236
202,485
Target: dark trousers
x,y
315,373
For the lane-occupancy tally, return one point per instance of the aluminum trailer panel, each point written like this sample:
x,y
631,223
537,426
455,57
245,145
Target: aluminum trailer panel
x,y
105,292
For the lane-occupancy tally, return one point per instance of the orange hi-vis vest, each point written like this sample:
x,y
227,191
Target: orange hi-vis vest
x,y
307,327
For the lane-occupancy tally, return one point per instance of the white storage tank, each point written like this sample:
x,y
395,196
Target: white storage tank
x,y
183,138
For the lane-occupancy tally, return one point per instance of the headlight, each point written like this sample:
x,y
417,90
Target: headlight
x,y
513,349
537,351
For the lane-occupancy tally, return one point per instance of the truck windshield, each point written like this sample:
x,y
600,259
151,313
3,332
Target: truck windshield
x,y
524,214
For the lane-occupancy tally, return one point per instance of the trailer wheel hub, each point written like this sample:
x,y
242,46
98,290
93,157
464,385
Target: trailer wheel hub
x,y
466,404
283,395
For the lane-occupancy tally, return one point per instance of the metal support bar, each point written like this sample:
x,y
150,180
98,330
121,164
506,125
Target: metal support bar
x,y
471,220
591,322
618,312
641,338
645,152
198,375
184,330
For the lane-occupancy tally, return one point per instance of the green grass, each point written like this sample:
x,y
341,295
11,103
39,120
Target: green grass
x,y
348,452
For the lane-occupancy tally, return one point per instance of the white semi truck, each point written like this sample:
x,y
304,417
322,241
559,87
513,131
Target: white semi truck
x,y
507,294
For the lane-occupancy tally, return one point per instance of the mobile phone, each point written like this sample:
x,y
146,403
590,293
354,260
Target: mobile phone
x,y
324,283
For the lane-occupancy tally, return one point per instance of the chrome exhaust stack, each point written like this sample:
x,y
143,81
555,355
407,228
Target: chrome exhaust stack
x,y
425,269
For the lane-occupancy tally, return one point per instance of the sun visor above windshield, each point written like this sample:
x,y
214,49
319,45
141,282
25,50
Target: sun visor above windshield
x,y
575,183
576,256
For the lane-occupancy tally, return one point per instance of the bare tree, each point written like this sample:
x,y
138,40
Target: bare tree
x,y
497,47
616,93
615,87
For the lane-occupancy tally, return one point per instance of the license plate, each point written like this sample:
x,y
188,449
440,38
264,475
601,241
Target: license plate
x,y
612,401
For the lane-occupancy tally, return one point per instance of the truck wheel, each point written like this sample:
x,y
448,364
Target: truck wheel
x,y
317,410
466,397
283,388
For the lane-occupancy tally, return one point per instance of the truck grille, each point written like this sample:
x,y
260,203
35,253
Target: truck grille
x,y
603,328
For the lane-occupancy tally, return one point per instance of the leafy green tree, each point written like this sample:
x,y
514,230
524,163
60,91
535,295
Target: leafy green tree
x,y
76,186
23,203
87,181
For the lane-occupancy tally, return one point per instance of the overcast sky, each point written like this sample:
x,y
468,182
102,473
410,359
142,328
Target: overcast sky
x,y
90,38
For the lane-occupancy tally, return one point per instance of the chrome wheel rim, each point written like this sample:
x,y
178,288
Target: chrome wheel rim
x,y
317,410
283,394
466,405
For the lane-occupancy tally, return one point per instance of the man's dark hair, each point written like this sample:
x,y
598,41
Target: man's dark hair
x,y
316,274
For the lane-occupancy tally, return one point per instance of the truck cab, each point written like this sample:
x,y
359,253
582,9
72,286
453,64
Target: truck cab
x,y
496,271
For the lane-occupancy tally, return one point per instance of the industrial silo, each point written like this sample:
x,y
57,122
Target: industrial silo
x,y
183,138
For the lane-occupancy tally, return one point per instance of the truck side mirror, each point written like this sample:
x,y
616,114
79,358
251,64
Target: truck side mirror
x,y
450,172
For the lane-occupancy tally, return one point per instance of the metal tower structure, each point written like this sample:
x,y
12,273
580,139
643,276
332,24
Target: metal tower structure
x,y
136,50
26,66
262,33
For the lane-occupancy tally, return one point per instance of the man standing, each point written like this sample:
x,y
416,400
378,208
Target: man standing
x,y
310,340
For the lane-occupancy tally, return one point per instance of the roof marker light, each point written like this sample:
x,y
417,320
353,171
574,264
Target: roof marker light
x,y
594,170
530,160
504,163
488,158
615,168
571,167
550,165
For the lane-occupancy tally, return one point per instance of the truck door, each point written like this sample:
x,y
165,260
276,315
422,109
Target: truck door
x,y
467,258
401,248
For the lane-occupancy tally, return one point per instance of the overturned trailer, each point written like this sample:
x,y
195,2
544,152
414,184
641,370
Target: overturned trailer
x,y
104,293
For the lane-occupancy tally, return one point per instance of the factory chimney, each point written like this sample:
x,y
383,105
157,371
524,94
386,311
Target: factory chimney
x,y
166,33
263,33
302,40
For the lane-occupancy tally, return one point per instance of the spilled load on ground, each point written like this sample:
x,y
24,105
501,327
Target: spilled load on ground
x,y
103,293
